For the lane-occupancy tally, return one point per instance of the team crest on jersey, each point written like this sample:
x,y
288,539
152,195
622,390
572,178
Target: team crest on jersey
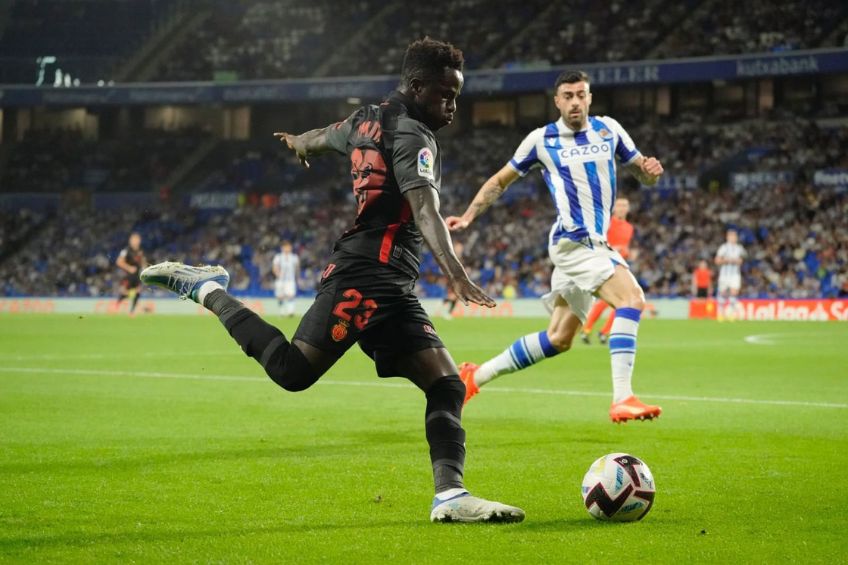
x,y
605,133
425,163
339,331
429,329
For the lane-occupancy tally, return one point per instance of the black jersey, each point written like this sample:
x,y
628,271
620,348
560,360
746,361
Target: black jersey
x,y
391,152
134,258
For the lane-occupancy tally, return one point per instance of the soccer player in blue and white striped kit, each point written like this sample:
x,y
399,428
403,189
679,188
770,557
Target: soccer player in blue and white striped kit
x,y
577,155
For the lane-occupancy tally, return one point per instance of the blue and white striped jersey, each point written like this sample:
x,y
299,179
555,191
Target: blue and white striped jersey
x,y
734,251
579,169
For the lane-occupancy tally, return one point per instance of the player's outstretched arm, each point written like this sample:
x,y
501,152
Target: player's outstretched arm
x,y
486,196
647,170
424,203
312,142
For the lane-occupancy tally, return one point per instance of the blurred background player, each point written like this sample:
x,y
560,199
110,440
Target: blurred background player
x,y
729,258
578,154
618,236
131,260
702,280
286,265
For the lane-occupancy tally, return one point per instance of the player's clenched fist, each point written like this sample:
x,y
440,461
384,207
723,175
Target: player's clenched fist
x,y
456,223
652,166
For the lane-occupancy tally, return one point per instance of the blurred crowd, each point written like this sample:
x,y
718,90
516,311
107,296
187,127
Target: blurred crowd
x,y
64,159
719,28
222,40
795,232
266,39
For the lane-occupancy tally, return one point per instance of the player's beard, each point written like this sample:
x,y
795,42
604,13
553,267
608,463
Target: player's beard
x,y
576,121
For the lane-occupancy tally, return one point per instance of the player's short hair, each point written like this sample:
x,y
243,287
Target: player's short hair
x,y
426,59
571,77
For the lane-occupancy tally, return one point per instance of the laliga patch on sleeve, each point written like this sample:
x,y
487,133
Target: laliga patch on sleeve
x,y
425,163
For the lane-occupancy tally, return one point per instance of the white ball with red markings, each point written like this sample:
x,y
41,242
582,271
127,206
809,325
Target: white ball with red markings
x,y
618,487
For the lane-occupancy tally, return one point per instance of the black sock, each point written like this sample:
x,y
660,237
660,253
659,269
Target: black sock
x,y
286,365
452,305
444,432
252,333
120,298
135,301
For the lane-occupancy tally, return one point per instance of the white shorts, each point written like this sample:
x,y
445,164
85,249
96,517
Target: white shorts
x,y
579,271
285,289
729,282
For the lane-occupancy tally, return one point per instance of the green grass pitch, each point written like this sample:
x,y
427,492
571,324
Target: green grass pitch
x,y
155,439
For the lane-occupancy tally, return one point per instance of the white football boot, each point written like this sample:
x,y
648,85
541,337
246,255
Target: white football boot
x,y
184,280
462,507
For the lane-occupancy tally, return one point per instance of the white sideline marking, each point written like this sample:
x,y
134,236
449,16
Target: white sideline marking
x,y
383,384
52,357
761,339
767,339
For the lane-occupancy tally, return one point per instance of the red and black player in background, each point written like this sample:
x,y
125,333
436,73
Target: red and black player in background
x,y
131,260
366,292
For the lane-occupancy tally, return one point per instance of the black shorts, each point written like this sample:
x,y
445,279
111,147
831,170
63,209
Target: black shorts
x,y
701,293
131,282
373,305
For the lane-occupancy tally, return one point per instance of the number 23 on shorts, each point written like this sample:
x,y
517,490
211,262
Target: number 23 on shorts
x,y
354,299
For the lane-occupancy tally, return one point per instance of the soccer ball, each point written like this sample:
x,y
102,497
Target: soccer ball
x,y
618,487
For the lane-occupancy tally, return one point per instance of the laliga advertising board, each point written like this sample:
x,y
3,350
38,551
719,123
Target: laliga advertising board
x,y
777,310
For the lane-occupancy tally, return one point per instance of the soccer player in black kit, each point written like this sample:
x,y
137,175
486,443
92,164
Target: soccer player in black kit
x,y
366,291
132,261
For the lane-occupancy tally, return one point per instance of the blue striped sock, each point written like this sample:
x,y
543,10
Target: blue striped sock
x,y
622,344
526,351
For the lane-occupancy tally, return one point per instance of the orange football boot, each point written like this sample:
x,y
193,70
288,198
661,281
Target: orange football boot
x,y
466,375
631,408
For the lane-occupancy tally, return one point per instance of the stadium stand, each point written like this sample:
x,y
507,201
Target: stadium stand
x,y
797,245
88,38
270,40
725,167
722,27
57,160
267,39
273,40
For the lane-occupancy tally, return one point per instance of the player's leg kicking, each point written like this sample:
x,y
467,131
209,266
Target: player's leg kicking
x,y
297,365
579,271
525,351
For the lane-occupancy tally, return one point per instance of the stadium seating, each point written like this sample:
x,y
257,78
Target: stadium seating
x,y
266,39
270,40
535,33
674,226
88,38
723,27
60,160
